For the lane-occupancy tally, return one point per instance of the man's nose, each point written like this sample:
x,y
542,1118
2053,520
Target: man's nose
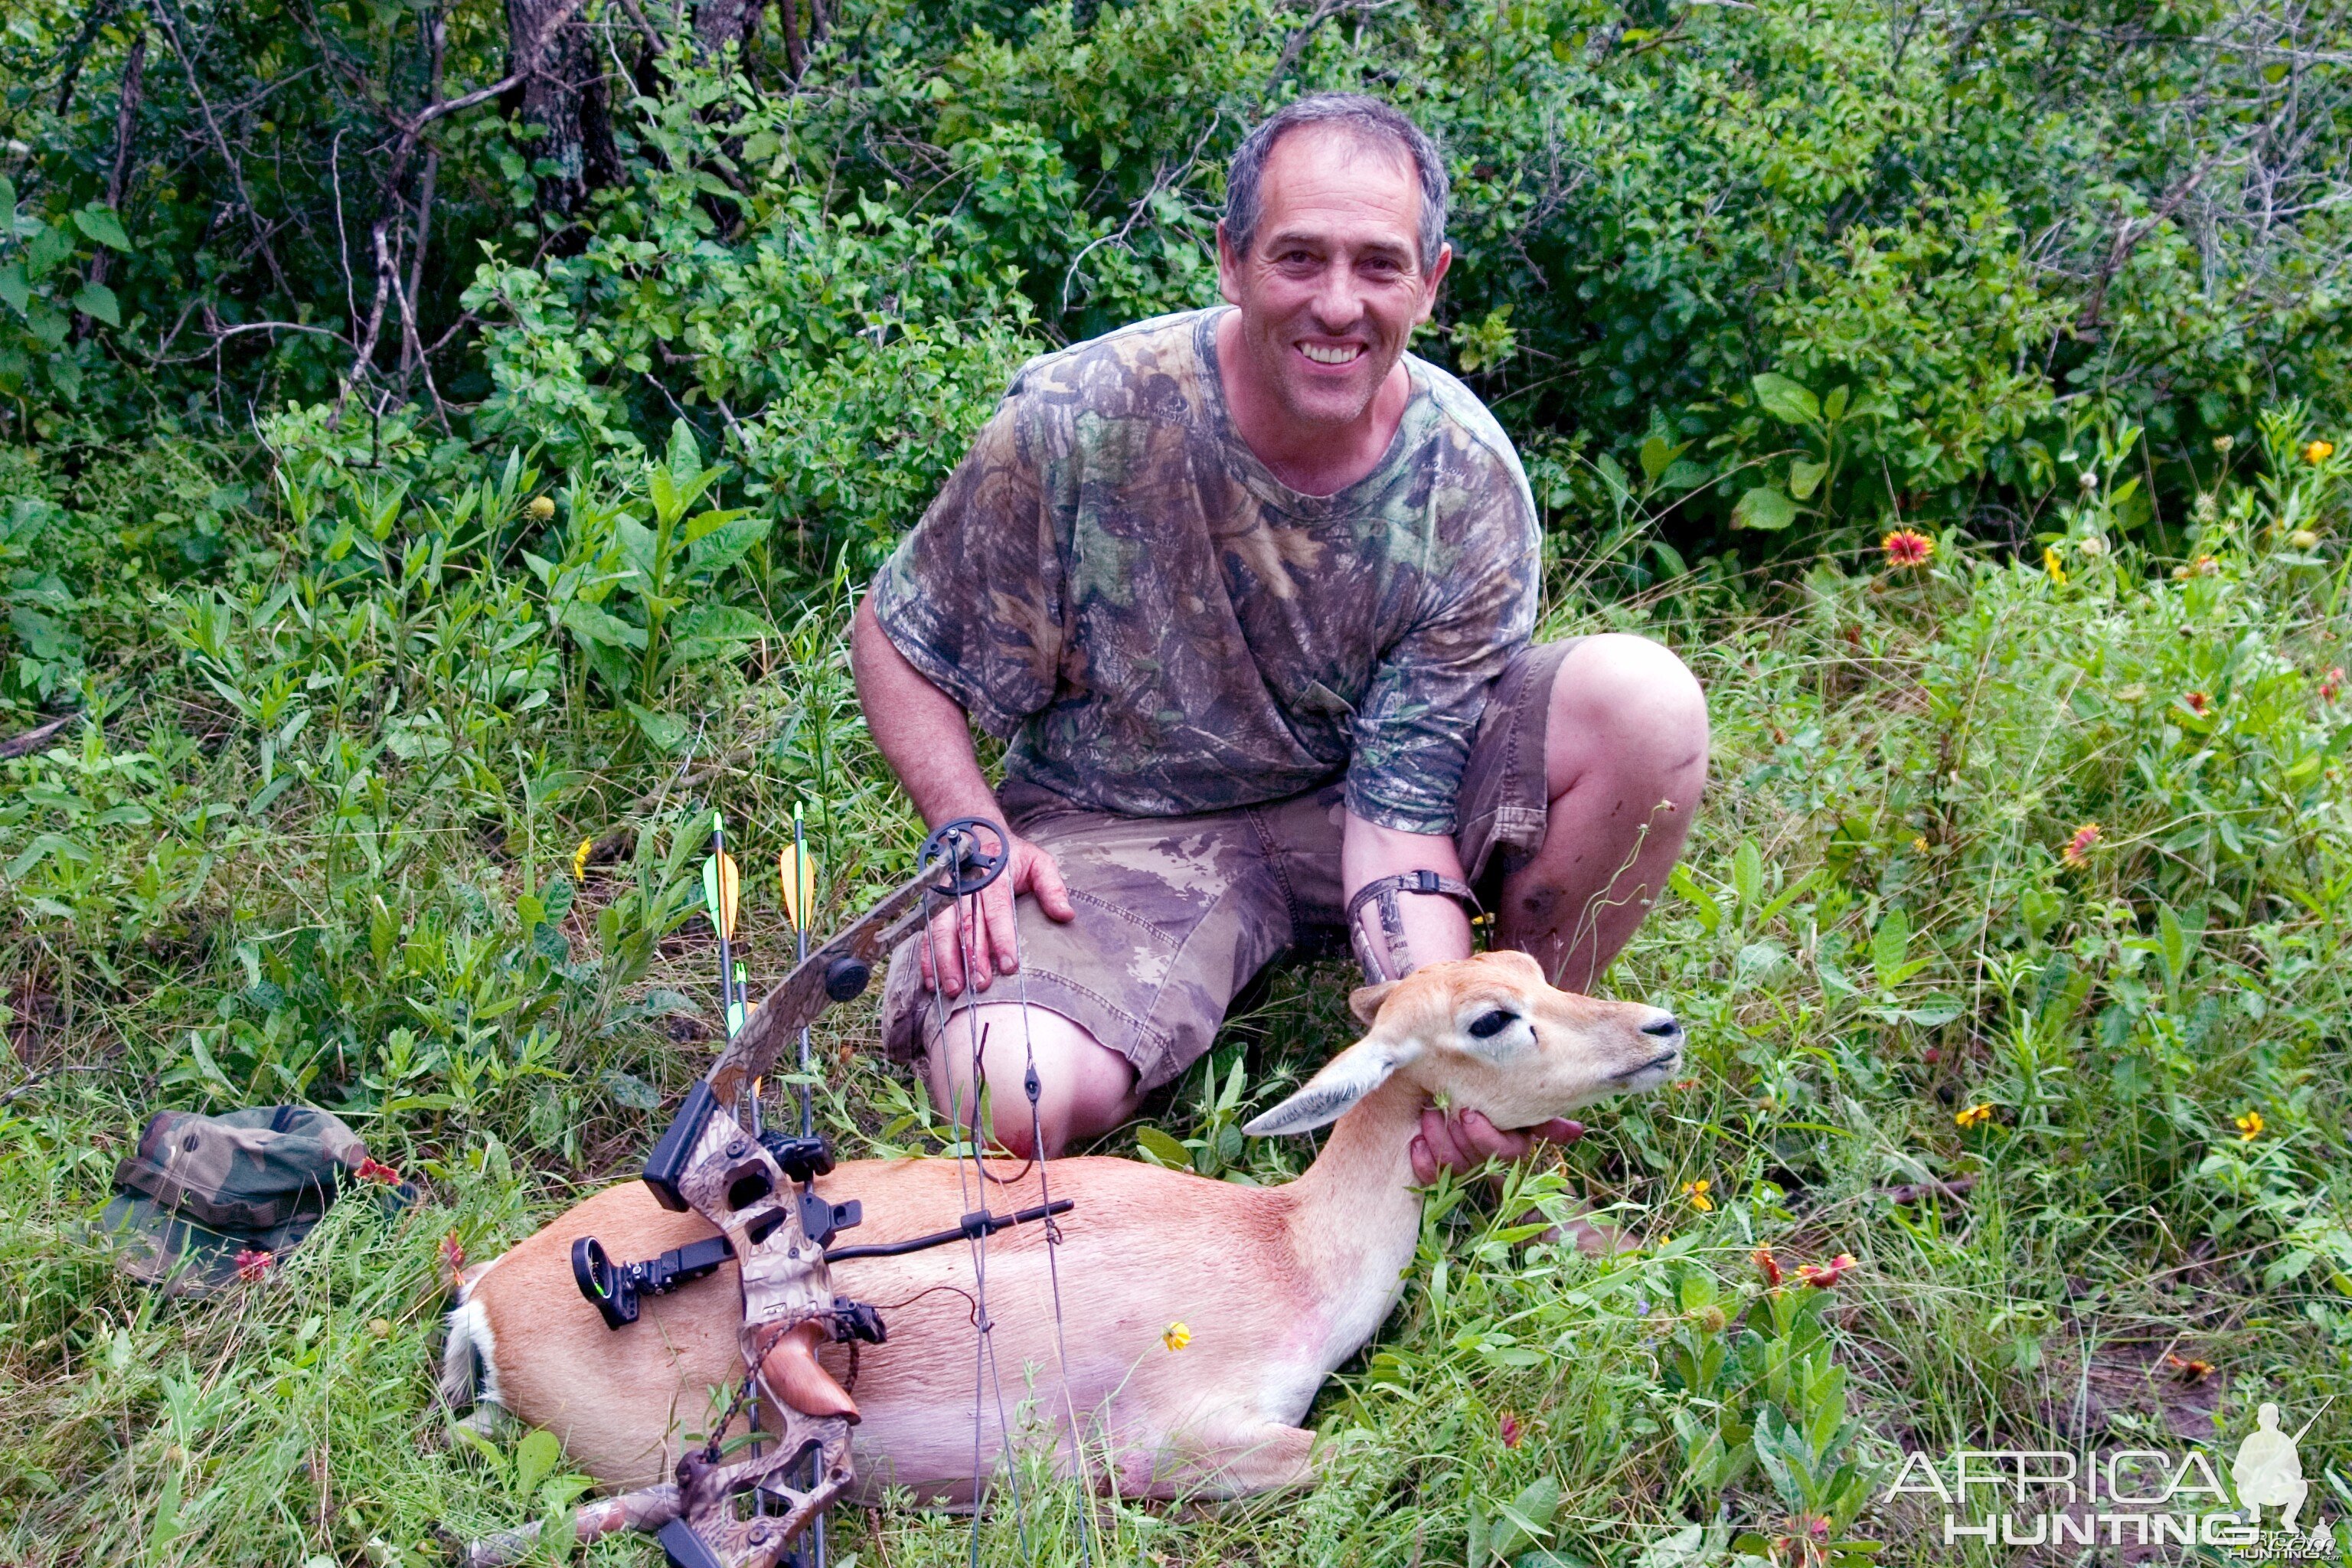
x,y
1338,304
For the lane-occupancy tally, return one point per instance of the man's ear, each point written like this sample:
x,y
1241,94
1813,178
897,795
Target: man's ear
x,y
1345,1080
1365,1001
1229,267
1436,276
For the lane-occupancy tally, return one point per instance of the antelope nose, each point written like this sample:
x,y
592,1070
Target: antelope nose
x,y
1666,1028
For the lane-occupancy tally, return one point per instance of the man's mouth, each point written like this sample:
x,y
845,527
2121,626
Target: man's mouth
x,y
1336,353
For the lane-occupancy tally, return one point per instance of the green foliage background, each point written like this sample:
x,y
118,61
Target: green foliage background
x,y
383,689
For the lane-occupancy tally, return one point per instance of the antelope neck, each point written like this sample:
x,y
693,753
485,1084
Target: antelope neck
x,y
1356,1218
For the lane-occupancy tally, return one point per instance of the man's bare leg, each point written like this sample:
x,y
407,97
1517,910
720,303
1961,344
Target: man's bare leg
x,y
1084,1088
1625,745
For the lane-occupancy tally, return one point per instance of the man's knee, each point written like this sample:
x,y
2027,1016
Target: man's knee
x,y
1084,1088
1626,702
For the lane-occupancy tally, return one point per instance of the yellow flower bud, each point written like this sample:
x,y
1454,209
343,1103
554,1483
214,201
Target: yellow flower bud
x,y
541,507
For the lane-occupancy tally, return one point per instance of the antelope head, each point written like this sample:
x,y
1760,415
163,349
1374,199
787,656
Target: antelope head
x,y
1493,1036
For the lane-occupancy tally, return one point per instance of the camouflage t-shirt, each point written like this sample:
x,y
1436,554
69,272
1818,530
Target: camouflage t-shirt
x,y
1114,582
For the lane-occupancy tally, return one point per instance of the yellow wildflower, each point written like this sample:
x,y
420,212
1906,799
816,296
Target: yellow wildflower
x,y
1176,1337
580,860
1697,1193
1920,845
2049,564
2250,1125
2319,451
1974,1116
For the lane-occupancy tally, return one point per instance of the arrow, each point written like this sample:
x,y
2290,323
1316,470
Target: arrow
x,y
796,870
722,887
796,874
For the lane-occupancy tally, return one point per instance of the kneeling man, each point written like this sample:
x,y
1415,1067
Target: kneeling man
x,y
1248,591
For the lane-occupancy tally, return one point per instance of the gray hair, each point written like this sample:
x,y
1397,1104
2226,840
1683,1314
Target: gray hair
x,y
1368,119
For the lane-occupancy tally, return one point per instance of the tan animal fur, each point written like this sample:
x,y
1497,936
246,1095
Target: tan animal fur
x,y
1278,1286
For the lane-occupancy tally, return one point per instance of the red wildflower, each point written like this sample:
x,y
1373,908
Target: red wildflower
x,y
1907,547
1825,1276
453,1258
2188,1371
373,1170
1510,1429
2197,701
252,1265
2078,848
2332,684
1769,1267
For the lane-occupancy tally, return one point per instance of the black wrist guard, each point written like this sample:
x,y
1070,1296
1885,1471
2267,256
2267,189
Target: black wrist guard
x,y
1392,957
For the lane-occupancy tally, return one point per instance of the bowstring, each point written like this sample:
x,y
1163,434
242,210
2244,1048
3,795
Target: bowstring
x,y
985,1370
1030,1085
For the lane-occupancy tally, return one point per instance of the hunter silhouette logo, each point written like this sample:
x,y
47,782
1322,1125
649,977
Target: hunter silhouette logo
x,y
2269,1471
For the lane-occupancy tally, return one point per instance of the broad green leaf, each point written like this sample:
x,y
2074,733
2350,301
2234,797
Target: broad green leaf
x,y
13,287
722,547
1786,400
1748,874
1765,509
1889,942
48,247
1710,913
1683,474
702,523
665,731
1833,405
685,453
97,299
1656,455
534,1459
102,226
591,624
48,324
715,628
1162,1149
638,546
2172,945
1804,478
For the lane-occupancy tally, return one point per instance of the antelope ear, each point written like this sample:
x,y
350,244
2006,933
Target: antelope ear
x,y
1345,1080
1365,1001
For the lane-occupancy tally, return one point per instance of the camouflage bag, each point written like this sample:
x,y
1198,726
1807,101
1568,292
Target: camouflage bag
x,y
210,1199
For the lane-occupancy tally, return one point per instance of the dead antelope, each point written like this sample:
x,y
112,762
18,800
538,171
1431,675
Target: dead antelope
x,y
1278,1286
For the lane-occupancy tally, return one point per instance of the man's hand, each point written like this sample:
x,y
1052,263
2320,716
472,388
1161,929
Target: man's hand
x,y
991,945
1463,1144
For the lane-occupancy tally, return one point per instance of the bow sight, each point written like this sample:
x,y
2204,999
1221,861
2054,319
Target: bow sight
x,y
758,1188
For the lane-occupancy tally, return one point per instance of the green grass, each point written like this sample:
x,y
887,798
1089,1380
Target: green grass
x,y
317,841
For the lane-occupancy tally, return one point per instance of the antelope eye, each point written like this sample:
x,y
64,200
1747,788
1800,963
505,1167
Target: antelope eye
x,y
1492,1024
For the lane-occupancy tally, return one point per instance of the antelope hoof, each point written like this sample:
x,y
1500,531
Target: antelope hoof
x,y
790,1370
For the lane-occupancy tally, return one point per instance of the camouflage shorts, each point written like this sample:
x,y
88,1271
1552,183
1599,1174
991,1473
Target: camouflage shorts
x,y
1176,914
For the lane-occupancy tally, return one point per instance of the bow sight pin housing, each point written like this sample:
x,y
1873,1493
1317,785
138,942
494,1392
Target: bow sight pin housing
x,y
614,1289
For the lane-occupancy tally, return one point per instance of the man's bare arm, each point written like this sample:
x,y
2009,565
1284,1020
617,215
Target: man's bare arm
x,y
927,740
1435,928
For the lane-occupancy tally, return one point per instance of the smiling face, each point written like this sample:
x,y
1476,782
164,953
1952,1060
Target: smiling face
x,y
1331,285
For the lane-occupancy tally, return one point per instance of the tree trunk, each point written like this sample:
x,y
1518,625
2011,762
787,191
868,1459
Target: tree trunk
x,y
718,22
562,92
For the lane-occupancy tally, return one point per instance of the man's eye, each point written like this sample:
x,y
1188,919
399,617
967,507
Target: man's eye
x,y
1489,1025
